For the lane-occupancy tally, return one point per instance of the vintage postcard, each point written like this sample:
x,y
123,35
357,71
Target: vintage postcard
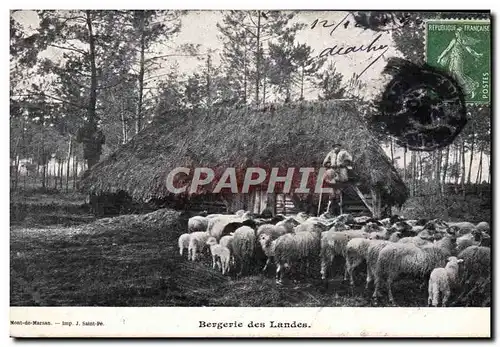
x,y
257,173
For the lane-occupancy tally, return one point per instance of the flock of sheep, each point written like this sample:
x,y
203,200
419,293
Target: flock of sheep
x,y
298,244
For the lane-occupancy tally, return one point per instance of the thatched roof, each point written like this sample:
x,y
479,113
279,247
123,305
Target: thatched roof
x,y
292,135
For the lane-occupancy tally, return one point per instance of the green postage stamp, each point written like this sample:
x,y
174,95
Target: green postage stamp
x,y
463,48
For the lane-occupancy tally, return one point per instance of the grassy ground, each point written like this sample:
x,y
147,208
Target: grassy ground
x,y
133,260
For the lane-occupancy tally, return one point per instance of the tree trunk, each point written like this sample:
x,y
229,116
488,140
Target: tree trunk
x,y
55,173
420,169
44,174
67,161
457,161
439,161
245,74
302,83
209,82
124,128
471,154
140,77
462,180
392,151
480,168
404,165
75,171
257,64
489,170
445,168
264,85
61,174
91,108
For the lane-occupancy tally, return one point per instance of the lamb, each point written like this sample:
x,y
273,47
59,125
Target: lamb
x,y
227,241
220,255
398,258
197,244
442,280
334,243
184,242
289,249
197,223
243,247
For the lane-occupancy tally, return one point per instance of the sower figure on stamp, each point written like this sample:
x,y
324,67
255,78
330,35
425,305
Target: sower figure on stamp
x,y
338,161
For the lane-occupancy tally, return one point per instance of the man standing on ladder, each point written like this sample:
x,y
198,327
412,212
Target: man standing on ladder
x,y
339,161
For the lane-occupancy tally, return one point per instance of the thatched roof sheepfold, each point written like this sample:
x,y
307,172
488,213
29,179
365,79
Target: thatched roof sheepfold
x,y
291,135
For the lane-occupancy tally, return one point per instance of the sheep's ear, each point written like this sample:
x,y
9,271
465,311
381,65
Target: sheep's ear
x,y
460,261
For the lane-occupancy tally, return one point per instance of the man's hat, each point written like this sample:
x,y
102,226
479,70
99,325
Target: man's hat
x,y
336,144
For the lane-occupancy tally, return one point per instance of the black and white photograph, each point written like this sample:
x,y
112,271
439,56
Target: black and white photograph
x,y
250,159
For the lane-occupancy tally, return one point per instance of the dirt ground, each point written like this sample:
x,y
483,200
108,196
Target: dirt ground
x,y
133,260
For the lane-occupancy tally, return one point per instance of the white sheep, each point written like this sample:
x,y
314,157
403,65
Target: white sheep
x,y
334,243
184,242
243,244
197,223
357,252
227,241
442,280
197,244
220,255
296,248
397,258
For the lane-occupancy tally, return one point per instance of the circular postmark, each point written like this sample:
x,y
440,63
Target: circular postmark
x,y
422,107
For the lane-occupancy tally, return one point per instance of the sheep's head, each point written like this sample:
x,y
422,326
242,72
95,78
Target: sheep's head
x,y
436,225
264,240
395,237
211,241
453,231
404,228
477,234
483,226
454,260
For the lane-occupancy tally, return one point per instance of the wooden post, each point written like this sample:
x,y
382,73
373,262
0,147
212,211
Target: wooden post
x,y
376,203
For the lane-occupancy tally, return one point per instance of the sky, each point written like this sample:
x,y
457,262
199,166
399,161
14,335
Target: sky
x,y
199,28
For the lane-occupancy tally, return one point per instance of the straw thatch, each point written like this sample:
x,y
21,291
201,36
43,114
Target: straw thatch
x,y
292,135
